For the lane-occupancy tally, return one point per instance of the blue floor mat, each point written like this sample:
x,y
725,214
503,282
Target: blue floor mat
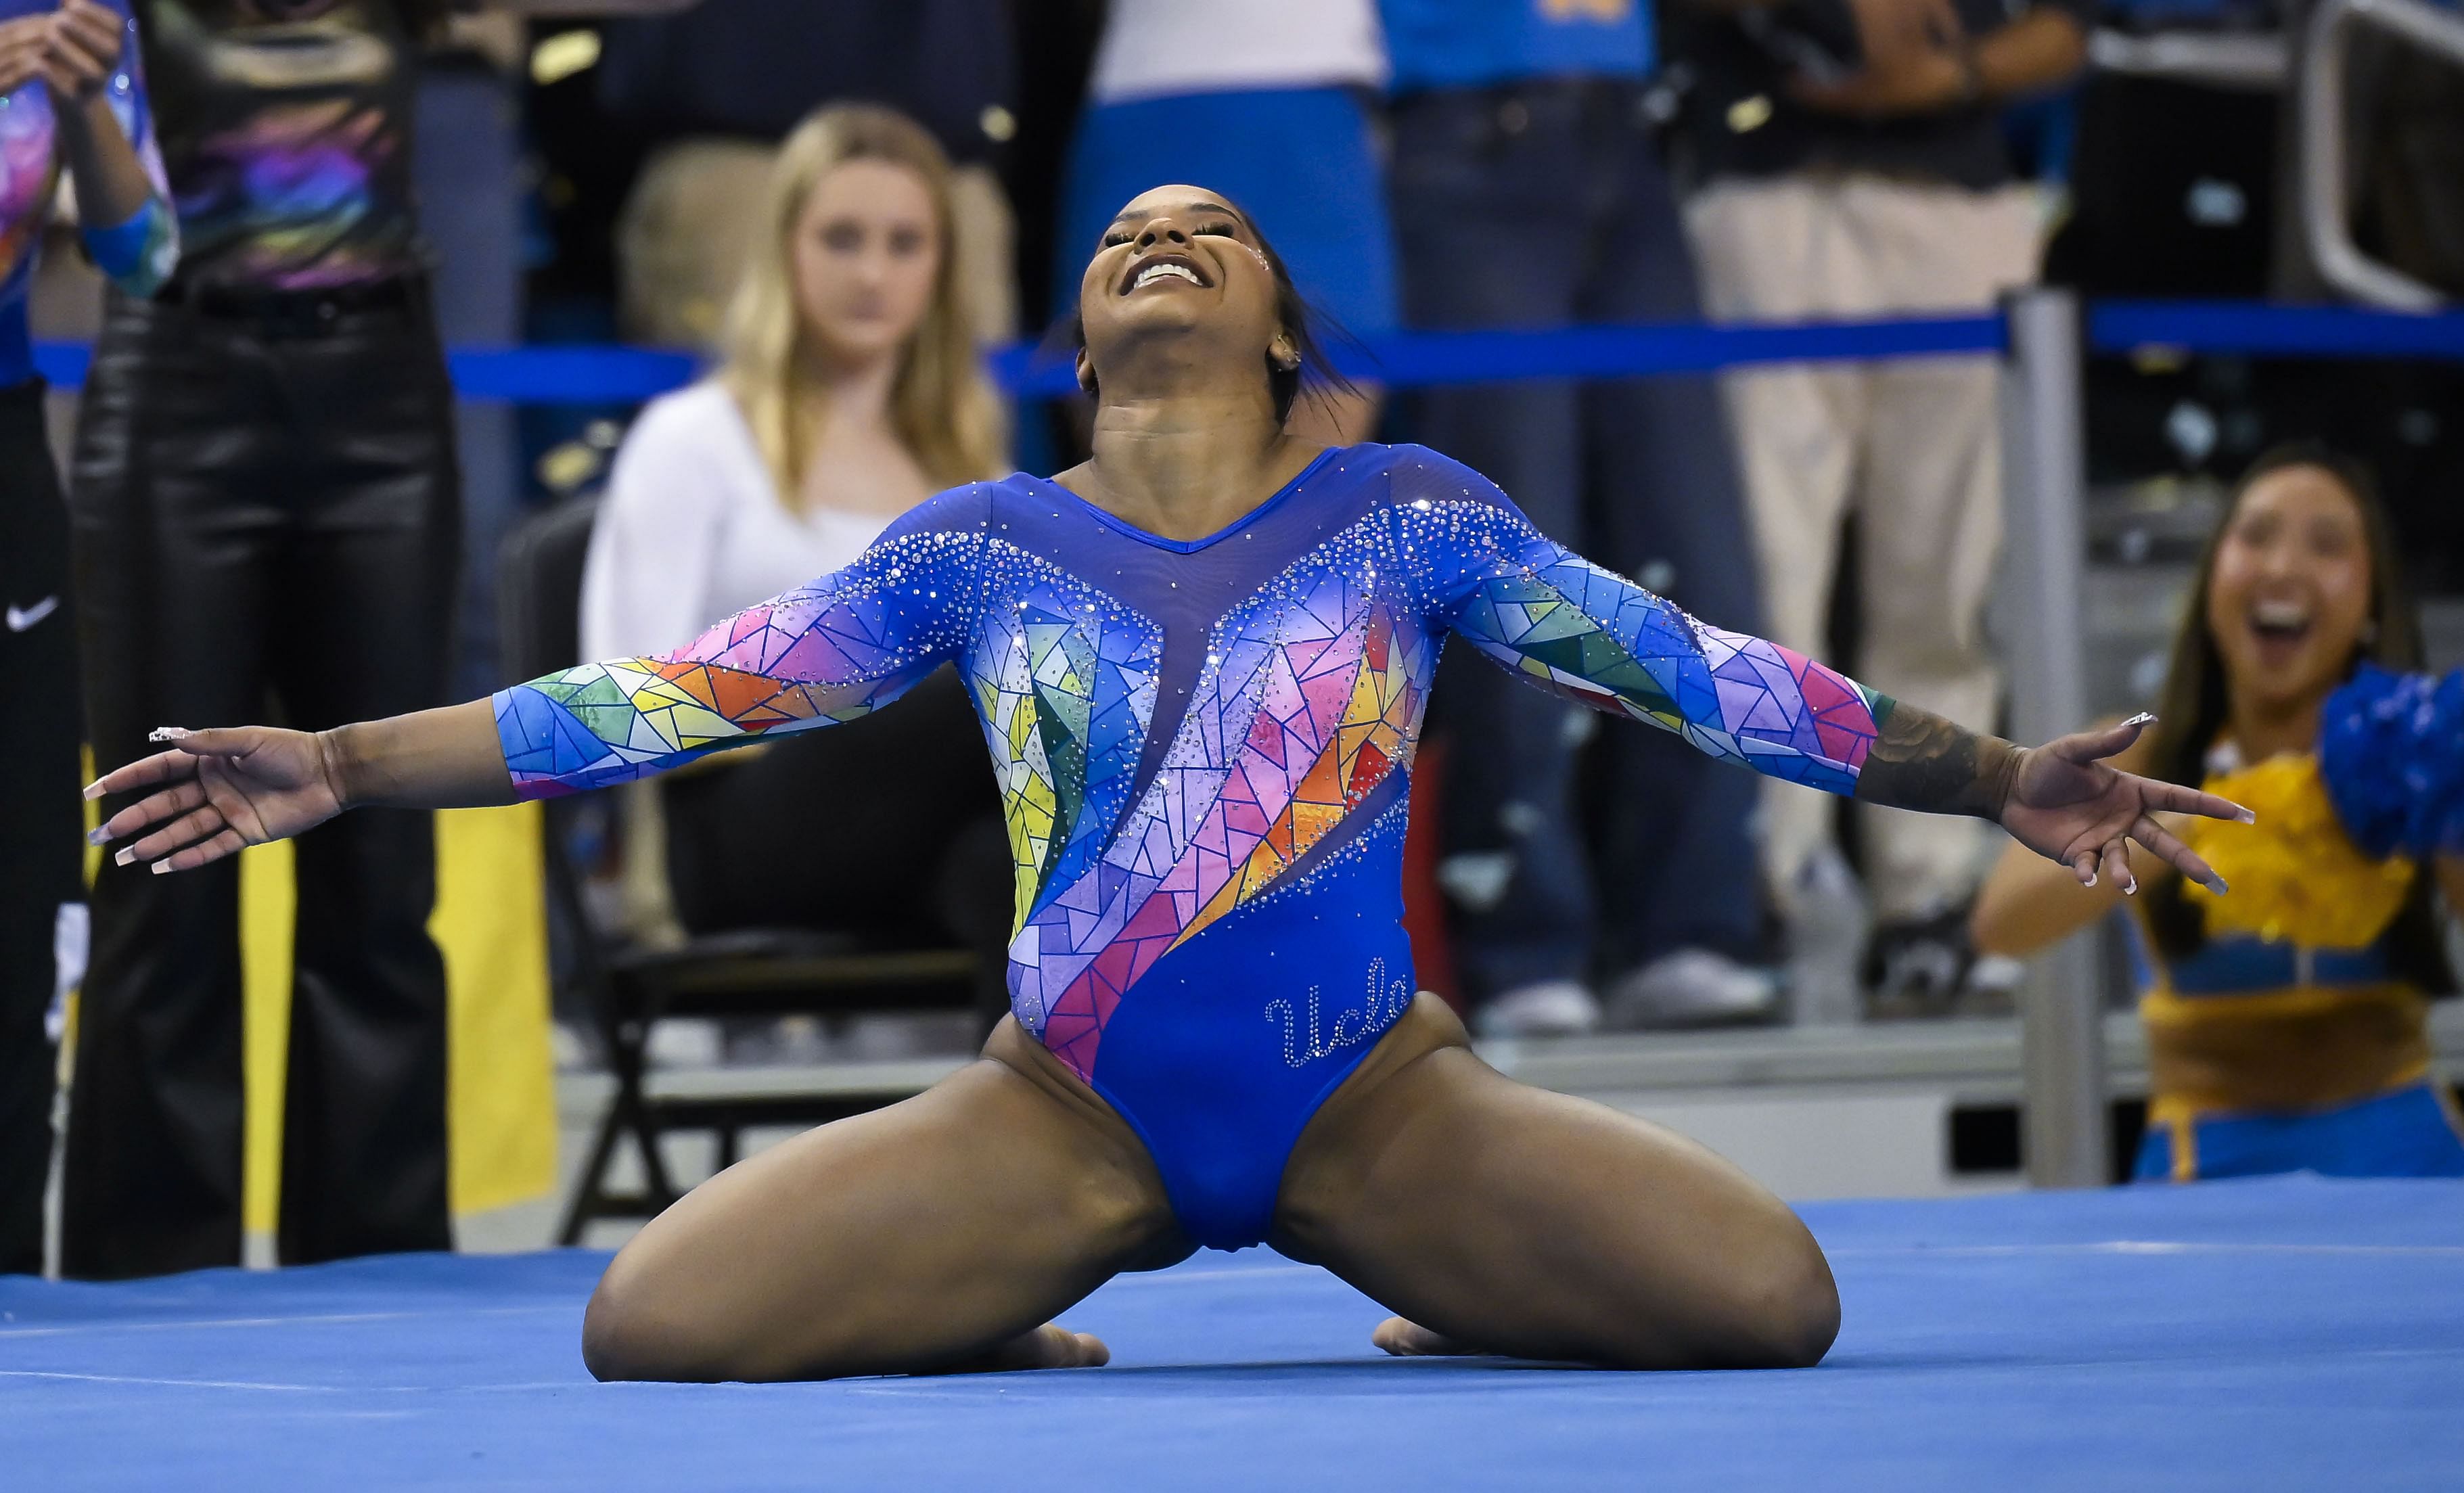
x,y
2287,1333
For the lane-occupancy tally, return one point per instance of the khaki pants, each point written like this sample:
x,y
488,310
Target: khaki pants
x,y
696,212
1910,444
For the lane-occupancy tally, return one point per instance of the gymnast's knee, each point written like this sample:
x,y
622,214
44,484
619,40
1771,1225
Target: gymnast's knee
x,y
1787,1304
632,1329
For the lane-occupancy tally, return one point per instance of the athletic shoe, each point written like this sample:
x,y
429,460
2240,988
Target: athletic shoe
x,y
1692,987
1552,1008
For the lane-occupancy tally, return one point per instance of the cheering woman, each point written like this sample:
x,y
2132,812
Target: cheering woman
x,y
2287,1024
1201,660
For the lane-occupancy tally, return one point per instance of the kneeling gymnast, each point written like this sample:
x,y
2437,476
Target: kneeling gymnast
x,y
1201,660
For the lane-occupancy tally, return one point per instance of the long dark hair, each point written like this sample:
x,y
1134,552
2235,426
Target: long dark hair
x,y
2194,705
1308,327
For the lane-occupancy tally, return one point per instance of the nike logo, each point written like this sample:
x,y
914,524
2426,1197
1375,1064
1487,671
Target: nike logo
x,y
21,618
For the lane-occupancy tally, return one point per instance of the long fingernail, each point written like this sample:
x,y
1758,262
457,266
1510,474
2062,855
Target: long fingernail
x,y
160,866
127,853
2249,818
2091,878
2142,718
2130,888
168,734
94,790
2217,885
99,834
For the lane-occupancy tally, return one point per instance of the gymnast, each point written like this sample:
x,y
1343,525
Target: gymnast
x,y
1200,661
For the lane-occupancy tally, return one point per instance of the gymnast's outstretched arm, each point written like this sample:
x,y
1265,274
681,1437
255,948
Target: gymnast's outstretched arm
x,y
1557,620
838,649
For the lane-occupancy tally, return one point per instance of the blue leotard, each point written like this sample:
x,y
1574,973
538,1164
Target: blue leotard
x,y
1203,749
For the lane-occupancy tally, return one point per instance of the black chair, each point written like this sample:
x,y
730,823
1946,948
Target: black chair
x,y
746,973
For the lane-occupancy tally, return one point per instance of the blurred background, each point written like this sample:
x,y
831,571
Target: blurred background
x,y
644,985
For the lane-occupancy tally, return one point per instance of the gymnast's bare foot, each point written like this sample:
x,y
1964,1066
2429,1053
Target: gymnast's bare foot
x,y
1050,1346
1411,1340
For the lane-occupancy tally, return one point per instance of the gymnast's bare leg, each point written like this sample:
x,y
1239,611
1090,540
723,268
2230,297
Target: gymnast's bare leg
x,y
940,1234
1498,1217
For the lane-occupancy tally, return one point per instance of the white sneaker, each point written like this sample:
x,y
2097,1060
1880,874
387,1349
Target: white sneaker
x,y
1552,1008
685,1043
1692,987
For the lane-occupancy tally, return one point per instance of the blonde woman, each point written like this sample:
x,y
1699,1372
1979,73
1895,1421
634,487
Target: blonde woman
x,y
849,390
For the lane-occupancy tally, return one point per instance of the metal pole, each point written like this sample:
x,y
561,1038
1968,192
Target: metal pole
x,y
2044,482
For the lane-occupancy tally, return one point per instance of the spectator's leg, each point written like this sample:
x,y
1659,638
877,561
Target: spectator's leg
x,y
1677,867
468,156
40,818
364,631
1772,250
1490,225
1932,511
175,522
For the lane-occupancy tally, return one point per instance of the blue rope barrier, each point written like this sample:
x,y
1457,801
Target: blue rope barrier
x,y
581,374
1422,359
2233,326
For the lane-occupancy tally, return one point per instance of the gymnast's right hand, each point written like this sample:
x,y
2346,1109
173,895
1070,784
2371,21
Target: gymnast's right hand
x,y
220,791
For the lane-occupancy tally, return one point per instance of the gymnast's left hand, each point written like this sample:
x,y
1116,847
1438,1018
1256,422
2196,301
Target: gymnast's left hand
x,y
2065,801
220,791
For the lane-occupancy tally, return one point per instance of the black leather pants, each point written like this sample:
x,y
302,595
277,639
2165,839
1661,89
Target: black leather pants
x,y
264,508
38,806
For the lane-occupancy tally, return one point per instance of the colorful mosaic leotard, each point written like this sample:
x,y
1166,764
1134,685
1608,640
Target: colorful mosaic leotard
x,y
1203,750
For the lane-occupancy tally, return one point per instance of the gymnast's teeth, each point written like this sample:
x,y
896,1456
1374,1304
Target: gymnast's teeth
x,y
1157,272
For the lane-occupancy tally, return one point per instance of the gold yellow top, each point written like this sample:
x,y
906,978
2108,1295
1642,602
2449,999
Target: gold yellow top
x,y
2321,1021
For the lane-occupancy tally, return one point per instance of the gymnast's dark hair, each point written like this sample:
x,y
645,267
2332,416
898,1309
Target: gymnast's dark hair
x,y
2193,707
1309,328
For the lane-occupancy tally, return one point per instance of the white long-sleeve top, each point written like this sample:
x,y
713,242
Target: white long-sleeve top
x,y
693,529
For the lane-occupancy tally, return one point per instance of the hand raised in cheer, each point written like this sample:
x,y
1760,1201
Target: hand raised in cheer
x,y
220,791
2066,802
73,51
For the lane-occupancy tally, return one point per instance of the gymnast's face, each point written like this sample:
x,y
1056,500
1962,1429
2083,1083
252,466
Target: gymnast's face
x,y
1181,267
2290,594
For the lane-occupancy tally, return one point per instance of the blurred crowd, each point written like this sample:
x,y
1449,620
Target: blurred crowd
x,y
273,502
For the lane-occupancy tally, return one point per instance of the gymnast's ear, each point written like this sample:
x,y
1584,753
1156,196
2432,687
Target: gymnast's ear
x,y
1086,371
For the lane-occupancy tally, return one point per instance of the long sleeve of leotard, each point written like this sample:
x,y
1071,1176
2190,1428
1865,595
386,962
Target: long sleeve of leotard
x,y
1558,621
840,647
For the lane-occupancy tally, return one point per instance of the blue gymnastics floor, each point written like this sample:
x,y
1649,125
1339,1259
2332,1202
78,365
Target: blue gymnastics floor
x,y
2292,1333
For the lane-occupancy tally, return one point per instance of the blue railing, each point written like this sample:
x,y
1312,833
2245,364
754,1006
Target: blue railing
x,y
610,375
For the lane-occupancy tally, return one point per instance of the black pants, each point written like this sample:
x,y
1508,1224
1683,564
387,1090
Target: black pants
x,y
39,815
888,826
265,509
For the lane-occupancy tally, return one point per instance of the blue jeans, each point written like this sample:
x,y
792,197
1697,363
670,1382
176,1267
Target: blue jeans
x,y
1545,205
467,161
